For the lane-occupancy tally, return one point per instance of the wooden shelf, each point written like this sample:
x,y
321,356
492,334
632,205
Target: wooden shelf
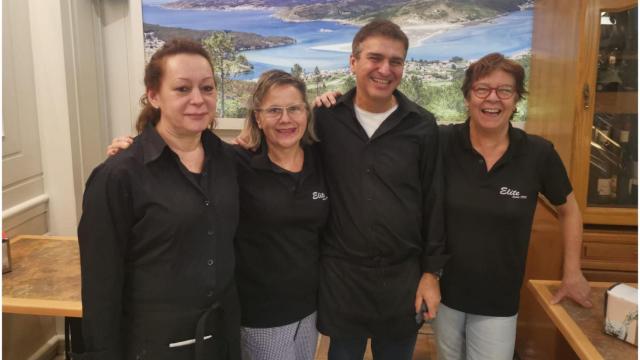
x,y
617,102
610,250
610,216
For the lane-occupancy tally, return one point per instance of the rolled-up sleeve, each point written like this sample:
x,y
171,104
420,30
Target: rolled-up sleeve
x,y
102,234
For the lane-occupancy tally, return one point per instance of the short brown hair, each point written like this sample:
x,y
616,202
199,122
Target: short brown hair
x,y
267,81
154,72
488,64
379,27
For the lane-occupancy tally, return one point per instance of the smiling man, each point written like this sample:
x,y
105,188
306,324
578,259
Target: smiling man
x,y
384,245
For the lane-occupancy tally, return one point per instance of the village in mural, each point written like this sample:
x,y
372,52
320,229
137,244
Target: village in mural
x,y
312,40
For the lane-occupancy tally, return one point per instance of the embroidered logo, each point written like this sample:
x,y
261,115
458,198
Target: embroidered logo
x,y
319,196
515,194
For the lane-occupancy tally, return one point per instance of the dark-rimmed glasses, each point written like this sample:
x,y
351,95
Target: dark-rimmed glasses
x,y
502,92
276,112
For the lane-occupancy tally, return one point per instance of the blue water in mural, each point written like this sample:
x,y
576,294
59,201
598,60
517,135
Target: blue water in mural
x,y
507,34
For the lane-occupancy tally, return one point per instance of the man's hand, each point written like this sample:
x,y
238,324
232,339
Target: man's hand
x,y
243,140
327,99
574,287
429,292
119,143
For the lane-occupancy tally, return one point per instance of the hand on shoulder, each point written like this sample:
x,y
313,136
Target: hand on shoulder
x,y
119,143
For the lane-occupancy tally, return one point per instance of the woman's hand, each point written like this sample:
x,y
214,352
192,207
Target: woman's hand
x,y
327,99
574,287
119,143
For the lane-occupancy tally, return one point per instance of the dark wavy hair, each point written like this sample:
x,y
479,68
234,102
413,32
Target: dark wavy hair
x,y
154,71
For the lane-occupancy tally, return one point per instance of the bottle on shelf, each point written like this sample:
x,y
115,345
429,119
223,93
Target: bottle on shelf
x,y
600,176
603,134
608,72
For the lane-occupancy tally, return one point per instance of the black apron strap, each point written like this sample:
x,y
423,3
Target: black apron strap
x,y
217,312
200,333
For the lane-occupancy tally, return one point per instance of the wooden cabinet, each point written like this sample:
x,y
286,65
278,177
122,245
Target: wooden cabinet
x,y
610,255
583,97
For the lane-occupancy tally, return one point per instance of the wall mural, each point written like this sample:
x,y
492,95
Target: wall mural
x,y
312,39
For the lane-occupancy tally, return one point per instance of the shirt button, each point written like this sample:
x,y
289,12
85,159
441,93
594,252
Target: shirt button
x,y
368,170
210,232
210,262
210,294
204,173
206,203
369,199
480,161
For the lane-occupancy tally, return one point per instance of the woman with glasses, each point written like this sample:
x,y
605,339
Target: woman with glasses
x,y
494,173
283,207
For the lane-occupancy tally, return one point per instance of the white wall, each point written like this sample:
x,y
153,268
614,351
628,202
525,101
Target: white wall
x,y
24,198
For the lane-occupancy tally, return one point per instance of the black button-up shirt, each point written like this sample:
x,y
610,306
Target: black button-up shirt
x,y
386,223
156,246
489,216
282,216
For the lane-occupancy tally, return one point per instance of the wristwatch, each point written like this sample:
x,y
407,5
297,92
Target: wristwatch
x,y
437,273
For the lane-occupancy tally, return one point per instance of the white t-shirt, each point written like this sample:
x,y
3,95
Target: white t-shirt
x,y
371,121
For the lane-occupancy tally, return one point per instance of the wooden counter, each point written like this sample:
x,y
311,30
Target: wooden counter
x,y
45,277
582,327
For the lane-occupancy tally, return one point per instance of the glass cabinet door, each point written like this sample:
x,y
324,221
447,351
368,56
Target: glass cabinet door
x,y
613,165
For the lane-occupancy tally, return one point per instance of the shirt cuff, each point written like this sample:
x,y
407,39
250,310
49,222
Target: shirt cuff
x,y
434,263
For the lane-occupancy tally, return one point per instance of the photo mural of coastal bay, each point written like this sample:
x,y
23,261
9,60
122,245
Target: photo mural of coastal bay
x,y
312,40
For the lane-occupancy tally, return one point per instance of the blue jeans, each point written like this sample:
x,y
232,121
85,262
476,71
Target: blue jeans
x,y
463,336
382,349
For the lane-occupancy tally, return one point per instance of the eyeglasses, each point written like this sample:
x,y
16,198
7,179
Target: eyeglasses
x,y
275,112
502,92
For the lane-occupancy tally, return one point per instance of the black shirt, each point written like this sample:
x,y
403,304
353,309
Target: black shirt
x,y
156,248
282,215
489,217
386,225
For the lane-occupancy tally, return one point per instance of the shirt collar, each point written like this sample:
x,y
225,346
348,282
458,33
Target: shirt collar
x,y
261,159
404,104
153,145
516,140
